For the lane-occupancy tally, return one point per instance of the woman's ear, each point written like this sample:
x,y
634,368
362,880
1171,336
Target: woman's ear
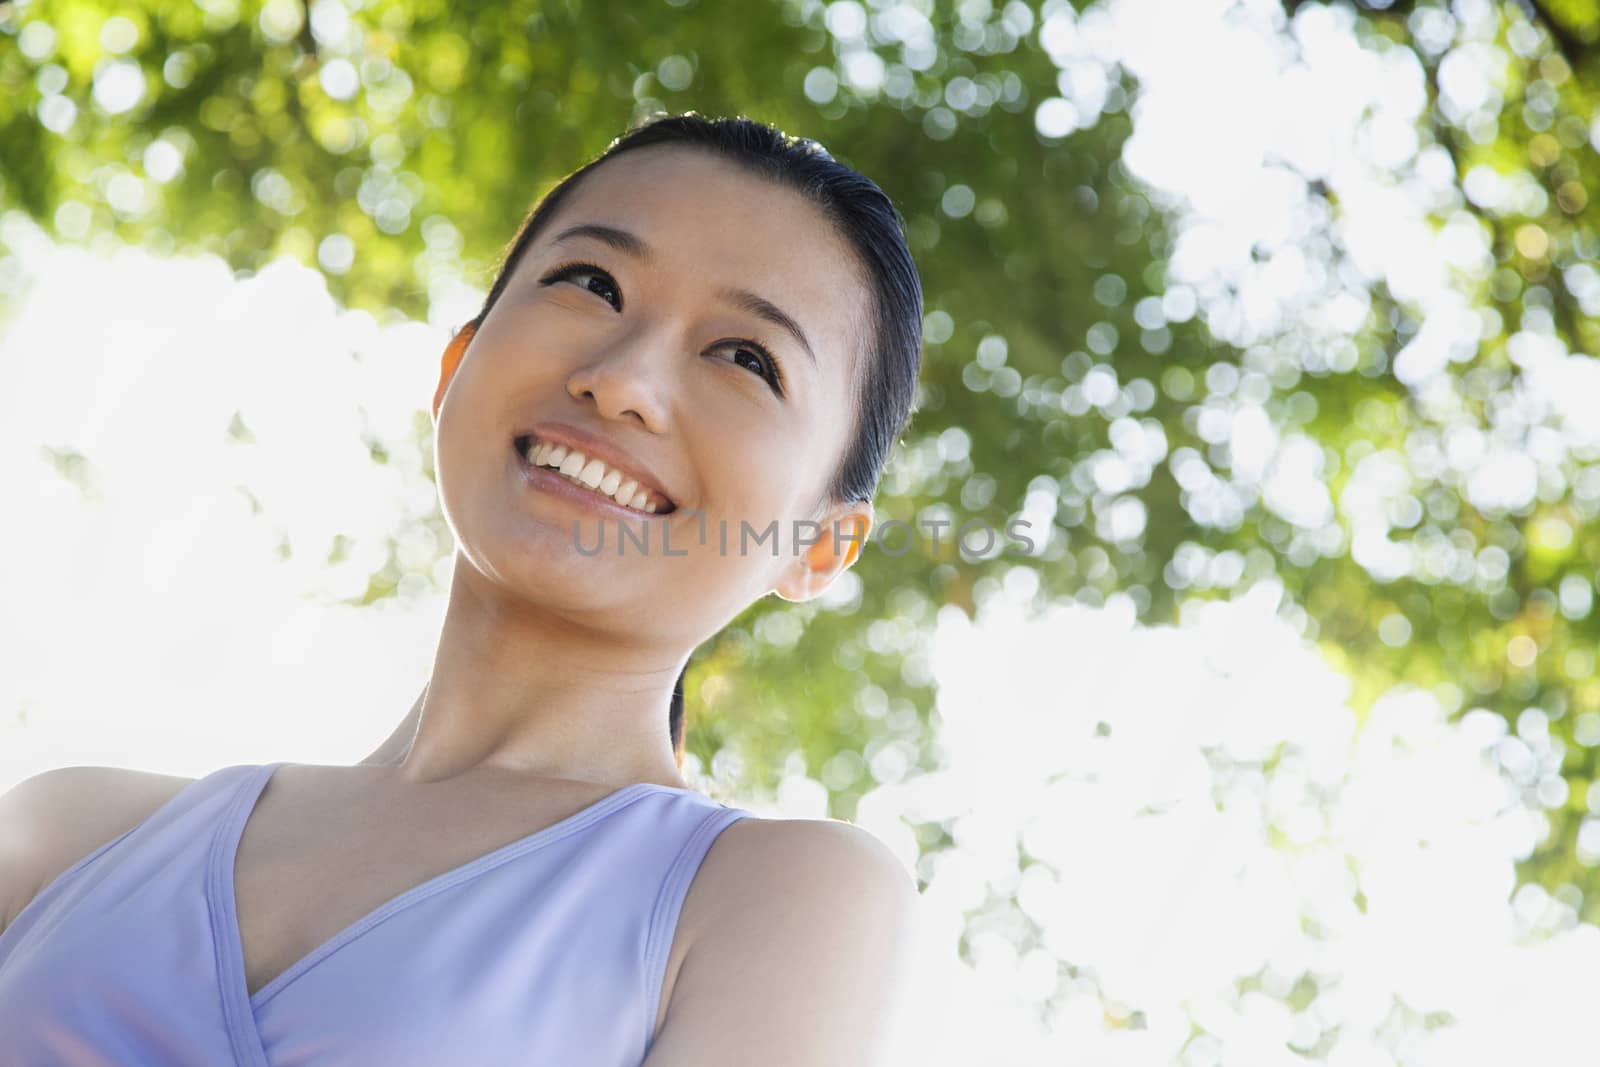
x,y
845,529
452,359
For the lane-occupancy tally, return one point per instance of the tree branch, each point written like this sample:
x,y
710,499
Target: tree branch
x,y
1574,48
308,40
1568,43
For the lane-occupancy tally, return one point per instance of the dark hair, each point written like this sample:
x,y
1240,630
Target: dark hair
x,y
885,391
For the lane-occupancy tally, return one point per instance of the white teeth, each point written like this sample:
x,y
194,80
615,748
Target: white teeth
x,y
592,474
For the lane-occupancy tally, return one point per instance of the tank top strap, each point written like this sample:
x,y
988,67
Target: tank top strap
x,y
181,823
108,963
674,890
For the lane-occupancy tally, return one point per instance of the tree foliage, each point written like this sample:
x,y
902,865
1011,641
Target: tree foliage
x,y
1067,380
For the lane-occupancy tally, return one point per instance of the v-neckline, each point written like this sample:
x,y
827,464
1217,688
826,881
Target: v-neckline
x,y
224,905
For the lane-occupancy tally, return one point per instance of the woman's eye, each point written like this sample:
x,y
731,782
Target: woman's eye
x,y
580,270
758,360
747,354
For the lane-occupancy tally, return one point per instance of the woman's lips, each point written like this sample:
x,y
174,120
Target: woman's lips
x,y
571,442
549,481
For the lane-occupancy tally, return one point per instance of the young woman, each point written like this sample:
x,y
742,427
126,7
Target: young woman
x,y
678,397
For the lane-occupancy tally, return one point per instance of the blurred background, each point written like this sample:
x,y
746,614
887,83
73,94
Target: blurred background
x,y
1280,317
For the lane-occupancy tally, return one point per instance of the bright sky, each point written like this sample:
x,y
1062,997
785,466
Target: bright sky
x,y
150,623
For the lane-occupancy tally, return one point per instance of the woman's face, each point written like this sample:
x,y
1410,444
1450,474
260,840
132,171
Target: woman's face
x,y
647,358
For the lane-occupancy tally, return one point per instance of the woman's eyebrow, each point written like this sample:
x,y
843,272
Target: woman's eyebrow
x,y
621,240
635,246
765,309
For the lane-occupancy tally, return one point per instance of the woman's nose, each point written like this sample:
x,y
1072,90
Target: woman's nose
x,y
626,377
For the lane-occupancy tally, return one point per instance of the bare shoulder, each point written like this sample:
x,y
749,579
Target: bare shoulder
x,y
50,821
773,861
804,944
815,851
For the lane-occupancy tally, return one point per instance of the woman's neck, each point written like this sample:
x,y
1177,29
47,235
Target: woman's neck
x,y
395,746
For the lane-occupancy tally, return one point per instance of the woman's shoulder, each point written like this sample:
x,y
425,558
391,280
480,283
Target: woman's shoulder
x,y
761,838
53,819
767,859
797,920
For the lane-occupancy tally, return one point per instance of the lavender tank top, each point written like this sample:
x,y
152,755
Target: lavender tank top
x,y
550,950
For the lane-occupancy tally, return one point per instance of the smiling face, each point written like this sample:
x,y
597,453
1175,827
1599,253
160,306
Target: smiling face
x,y
697,329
